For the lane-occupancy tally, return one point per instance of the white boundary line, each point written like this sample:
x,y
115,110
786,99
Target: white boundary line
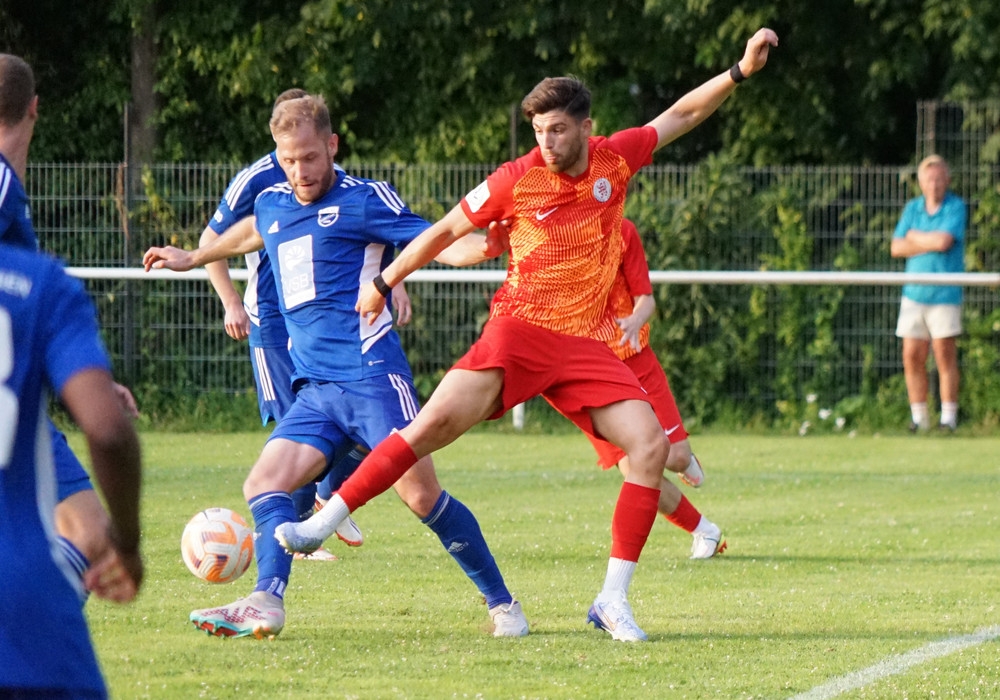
x,y
897,664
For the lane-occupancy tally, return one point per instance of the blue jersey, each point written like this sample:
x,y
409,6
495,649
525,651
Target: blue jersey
x,y
950,217
267,327
48,333
15,215
16,229
323,252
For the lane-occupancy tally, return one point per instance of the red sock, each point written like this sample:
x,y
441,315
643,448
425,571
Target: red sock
x,y
685,515
378,472
634,515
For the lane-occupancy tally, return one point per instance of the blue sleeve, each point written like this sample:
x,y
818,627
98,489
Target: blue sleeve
x,y
954,217
238,201
904,225
73,339
388,218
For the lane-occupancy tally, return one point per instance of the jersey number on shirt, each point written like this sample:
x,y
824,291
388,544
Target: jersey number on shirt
x,y
8,399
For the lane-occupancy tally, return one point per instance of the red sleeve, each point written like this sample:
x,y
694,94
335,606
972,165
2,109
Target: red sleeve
x,y
635,145
493,199
634,268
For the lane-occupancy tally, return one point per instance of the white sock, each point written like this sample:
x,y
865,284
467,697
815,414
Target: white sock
x,y
919,413
323,523
619,577
704,525
949,413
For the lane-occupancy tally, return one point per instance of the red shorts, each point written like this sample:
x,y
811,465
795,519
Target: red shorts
x,y
573,374
650,374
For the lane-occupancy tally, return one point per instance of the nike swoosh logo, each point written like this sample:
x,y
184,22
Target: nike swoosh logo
x,y
674,429
545,214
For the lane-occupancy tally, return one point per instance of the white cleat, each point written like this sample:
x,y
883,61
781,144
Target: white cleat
x,y
259,614
321,554
615,617
288,537
708,542
509,620
349,533
694,475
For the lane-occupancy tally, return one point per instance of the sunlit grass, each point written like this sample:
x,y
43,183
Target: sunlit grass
x,y
842,552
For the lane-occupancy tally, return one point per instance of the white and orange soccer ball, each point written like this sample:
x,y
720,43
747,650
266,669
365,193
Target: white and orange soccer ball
x,y
217,545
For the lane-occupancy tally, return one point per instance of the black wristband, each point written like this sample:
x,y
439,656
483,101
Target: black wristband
x,y
736,74
381,286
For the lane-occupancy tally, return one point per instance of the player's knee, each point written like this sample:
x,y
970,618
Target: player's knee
x,y
679,457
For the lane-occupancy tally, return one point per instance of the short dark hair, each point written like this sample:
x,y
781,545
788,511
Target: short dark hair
x,y
289,114
17,88
566,94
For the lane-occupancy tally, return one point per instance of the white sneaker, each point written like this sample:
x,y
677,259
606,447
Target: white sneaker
x,y
259,614
320,554
708,542
349,533
694,475
615,616
293,541
509,620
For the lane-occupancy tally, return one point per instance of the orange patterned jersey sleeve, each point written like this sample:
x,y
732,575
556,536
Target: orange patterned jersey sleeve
x,y
565,239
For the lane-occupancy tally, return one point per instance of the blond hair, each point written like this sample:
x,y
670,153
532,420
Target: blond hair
x,y
933,161
290,114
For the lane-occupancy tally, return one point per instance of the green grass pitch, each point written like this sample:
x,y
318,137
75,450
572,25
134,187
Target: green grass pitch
x,y
842,553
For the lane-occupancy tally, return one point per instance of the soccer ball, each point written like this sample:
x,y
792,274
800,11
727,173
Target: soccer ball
x,y
217,545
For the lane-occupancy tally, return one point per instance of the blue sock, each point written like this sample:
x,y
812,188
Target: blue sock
x,y
304,500
274,564
76,559
459,532
339,471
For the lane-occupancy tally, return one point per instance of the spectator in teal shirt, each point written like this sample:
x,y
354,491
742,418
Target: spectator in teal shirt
x,y
931,236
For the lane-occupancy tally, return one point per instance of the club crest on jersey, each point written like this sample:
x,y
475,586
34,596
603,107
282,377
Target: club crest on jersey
x,y
602,190
328,216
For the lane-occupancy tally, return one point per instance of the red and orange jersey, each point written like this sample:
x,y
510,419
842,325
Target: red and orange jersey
x,y
632,281
565,236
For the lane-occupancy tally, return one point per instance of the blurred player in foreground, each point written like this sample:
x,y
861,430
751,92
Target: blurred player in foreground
x,y
49,342
550,322
81,520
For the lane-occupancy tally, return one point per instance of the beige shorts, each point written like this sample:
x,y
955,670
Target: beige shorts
x,y
927,321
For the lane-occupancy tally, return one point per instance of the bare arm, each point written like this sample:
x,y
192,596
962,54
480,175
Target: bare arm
x,y
471,249
236,321
642,311
93,401
241,238
401,302
920,242
694,107
418,253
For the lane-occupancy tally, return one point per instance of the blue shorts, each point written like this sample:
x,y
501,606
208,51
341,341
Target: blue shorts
x,y
334,416
71,477
272,371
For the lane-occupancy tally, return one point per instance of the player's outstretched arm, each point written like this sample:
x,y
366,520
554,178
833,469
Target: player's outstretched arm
x,y
236,321
94,403
696,106
240,239
420,251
